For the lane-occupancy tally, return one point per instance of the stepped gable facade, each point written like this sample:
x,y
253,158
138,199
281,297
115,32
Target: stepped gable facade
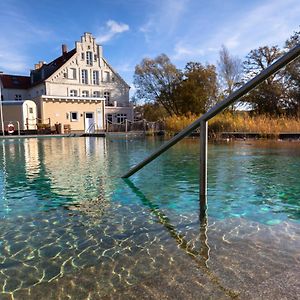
x,y
78,89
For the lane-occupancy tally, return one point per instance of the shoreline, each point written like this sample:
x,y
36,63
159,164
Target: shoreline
x,y
293,136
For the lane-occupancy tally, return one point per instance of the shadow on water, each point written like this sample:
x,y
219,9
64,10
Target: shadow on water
x,y
200,255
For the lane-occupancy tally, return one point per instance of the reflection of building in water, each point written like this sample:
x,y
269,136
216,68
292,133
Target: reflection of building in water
x,y
31,157
3,181
71,164
58,170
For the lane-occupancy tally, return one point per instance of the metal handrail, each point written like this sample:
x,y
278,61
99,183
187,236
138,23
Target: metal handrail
x,y
90,127
269,71
203,121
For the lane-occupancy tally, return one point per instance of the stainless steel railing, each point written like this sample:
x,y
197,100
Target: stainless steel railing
x,y
202,123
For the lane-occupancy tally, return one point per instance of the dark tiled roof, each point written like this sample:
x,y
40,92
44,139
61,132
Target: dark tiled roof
x,y
39,75
47,70
15,81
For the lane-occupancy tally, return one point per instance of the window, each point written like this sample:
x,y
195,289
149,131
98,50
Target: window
x,y
73,93
96,77
72,73
74,116
82,56
18,97
89,58
30,110
121,118
85,93
95,57
96,94
107,98
106,76
84,76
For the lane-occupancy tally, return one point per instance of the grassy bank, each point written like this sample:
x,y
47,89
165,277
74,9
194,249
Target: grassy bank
x,y
238,122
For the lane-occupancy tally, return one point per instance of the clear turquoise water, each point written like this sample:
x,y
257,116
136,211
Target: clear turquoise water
x,y
64,207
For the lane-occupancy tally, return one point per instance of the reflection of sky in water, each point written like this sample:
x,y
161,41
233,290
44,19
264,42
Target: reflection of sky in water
x,y
69,225
255,180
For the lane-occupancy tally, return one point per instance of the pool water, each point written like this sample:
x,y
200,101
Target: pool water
x,y
71,228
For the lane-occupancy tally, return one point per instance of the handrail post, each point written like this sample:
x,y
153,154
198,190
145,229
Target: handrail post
x,y
203,168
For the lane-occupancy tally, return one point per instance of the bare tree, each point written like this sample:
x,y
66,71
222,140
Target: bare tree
x,y
230,70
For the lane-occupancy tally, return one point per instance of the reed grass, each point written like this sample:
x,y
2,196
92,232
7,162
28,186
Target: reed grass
x,y
238,122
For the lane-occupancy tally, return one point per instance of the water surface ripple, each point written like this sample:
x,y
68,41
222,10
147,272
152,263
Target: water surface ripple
x,y
71,228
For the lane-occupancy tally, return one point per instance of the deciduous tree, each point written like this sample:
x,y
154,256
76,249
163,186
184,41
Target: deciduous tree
x,y
292,73
197,92
155,80
269,96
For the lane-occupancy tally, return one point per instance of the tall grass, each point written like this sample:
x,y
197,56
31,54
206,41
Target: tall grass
x,y
238,122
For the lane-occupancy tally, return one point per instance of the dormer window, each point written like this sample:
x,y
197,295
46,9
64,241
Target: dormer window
x,y
89,58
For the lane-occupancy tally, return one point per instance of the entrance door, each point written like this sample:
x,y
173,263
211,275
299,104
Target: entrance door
x,y
89,122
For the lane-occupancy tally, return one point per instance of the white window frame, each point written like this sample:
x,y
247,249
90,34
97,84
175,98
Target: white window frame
x,y
106,95
96,94
96,77
89,58
121,118
106,76
73,93
85,93
71,116
72,73
84,76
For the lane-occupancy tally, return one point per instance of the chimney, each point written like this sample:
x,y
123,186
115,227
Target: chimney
x,y
39,65
64,49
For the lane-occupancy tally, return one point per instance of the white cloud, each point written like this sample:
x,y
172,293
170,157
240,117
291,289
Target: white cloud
x,y
190,52
112,29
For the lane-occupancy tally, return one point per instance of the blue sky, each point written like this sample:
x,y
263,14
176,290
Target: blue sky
x,y
185,30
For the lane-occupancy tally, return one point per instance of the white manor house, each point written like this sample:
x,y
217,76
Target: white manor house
x,y
78,89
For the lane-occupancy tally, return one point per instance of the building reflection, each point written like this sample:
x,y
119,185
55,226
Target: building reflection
x,y
59,171
31,158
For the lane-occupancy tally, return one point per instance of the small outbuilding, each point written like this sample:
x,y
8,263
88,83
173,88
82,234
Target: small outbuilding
x,y
22,112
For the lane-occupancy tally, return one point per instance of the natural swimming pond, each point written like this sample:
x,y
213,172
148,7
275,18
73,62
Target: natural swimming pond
x,y
71,228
